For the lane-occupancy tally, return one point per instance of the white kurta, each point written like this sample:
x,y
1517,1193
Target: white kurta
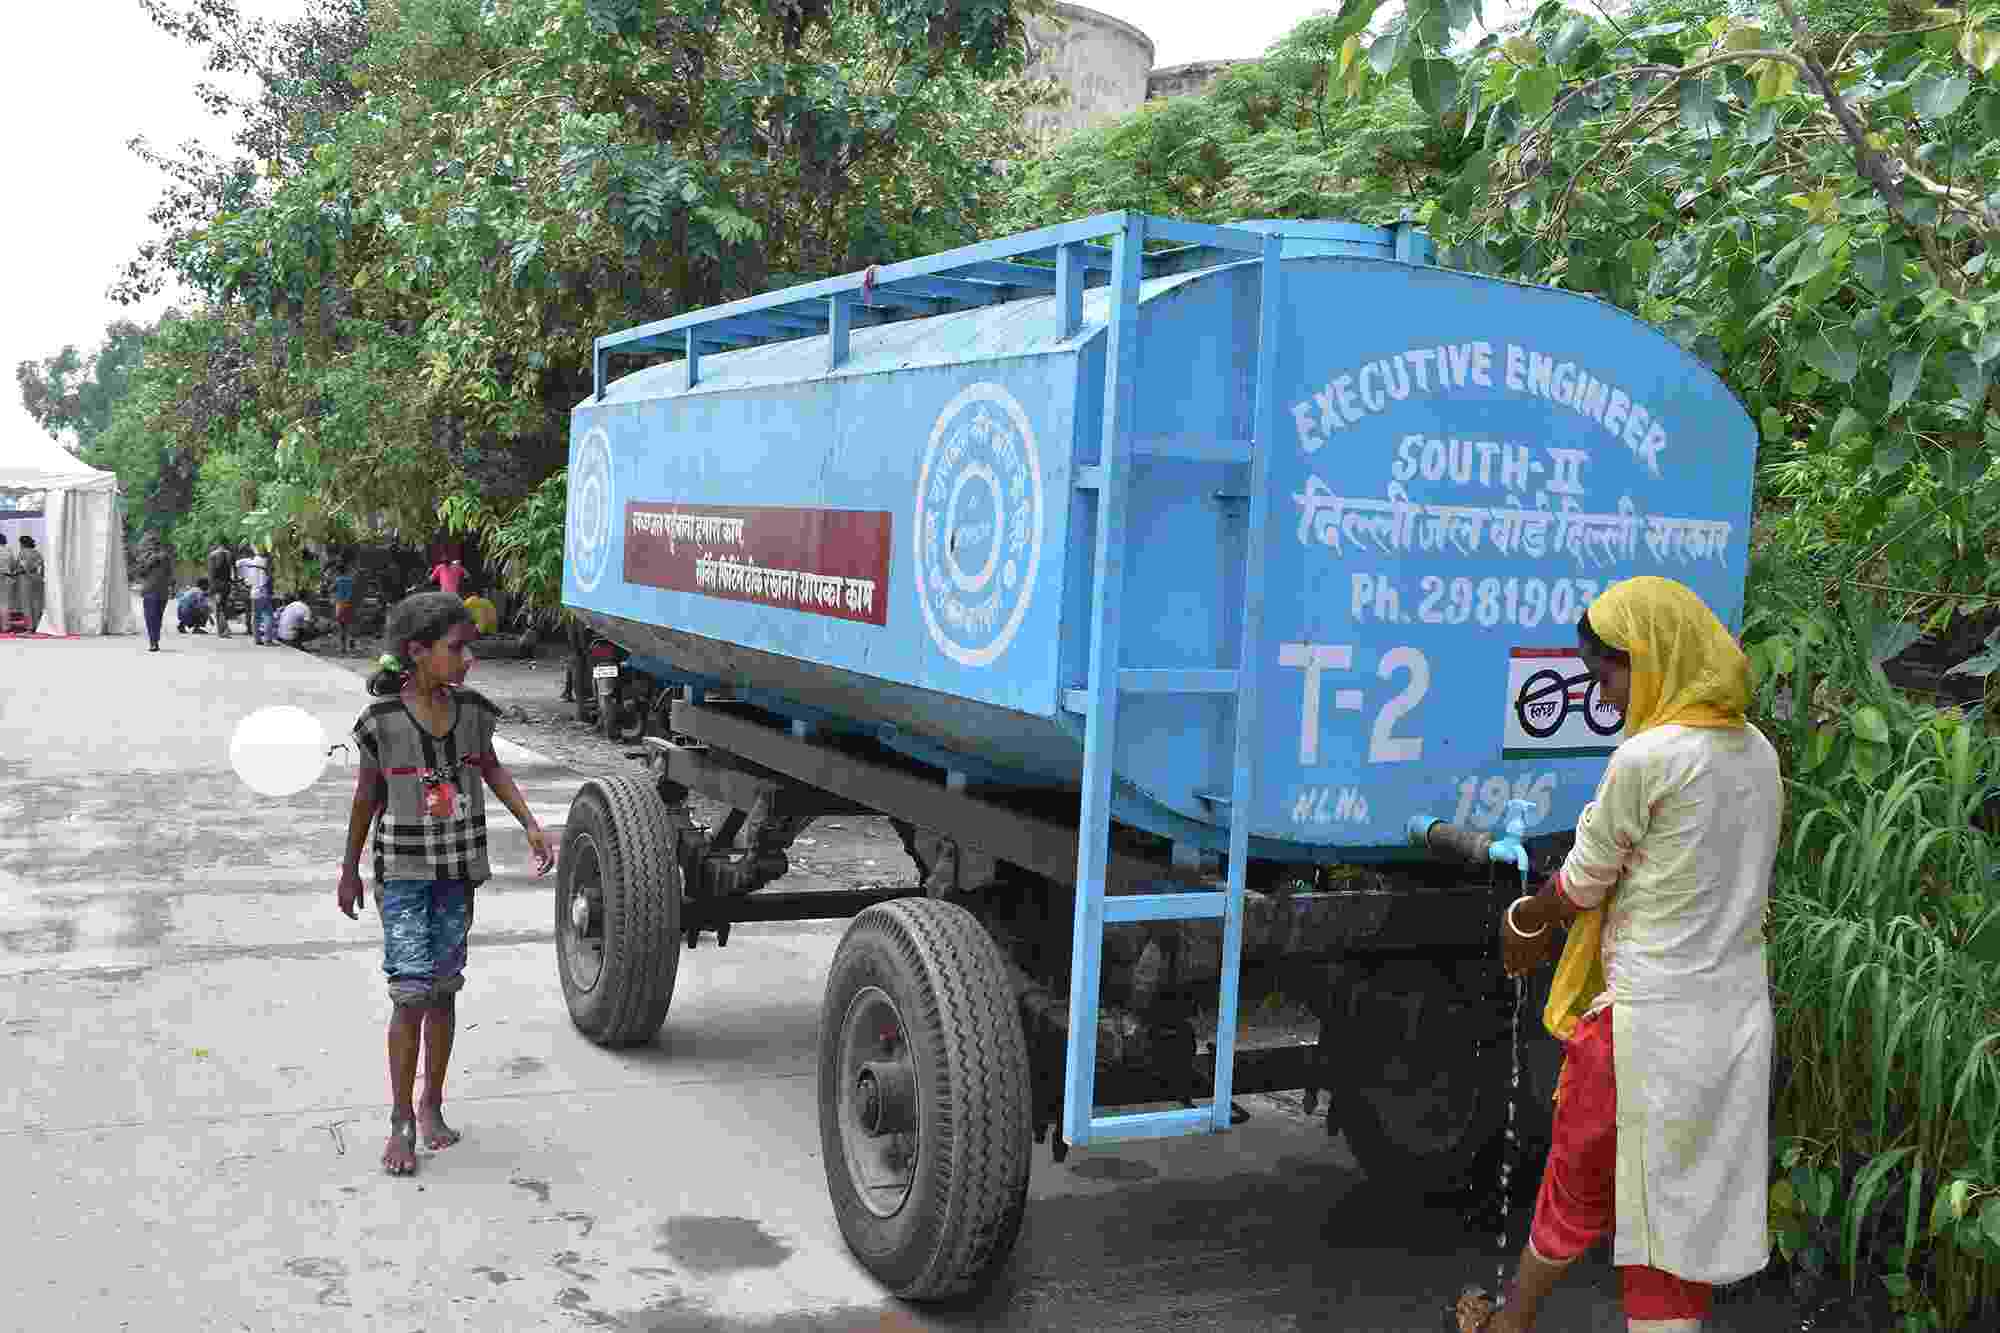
x,y
1685,825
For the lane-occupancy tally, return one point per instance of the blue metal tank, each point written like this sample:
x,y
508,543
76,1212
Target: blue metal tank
x,y
890,525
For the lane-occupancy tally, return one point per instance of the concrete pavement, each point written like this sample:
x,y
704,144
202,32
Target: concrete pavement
x,y
195,1093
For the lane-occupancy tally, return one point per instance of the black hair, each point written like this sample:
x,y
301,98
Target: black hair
x,y
28,542
1597,645
423,617
202,584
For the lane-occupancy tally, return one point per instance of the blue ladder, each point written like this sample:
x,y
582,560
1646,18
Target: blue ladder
x,y
1108,681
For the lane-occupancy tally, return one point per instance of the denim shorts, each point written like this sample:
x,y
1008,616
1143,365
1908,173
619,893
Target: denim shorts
x,y
425,923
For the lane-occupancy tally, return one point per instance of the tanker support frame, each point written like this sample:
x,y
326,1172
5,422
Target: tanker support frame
x,y
1395,964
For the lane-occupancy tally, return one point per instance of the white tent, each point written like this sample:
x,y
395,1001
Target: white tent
x,y
86,590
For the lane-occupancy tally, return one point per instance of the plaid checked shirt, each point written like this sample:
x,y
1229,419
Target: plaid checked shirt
x,y
433,825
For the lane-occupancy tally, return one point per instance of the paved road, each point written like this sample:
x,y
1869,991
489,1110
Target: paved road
x,y
194,1099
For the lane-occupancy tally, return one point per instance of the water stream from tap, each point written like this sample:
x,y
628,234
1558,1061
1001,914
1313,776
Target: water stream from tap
x,y
1511,1146
1511,1149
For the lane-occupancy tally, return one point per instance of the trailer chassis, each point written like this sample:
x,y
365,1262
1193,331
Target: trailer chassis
x,y
1344,945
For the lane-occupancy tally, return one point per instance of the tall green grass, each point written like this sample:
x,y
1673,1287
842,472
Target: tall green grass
x,y
1884,938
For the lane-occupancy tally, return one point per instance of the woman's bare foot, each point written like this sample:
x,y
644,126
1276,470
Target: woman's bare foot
x,y
399,1155
437,1134
1477,1314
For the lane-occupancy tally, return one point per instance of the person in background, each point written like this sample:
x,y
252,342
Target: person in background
x,y
28,588
449,576
10,575
485,615
343,604
221,571
191,610
255,571
156,583
295,623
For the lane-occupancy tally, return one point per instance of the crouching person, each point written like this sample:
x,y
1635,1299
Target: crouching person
x,y
192,608
425,748
296,626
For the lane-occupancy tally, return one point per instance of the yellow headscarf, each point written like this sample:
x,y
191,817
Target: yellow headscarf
x,y
1686,669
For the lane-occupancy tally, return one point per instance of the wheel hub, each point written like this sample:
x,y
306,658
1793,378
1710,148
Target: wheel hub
x,y
579,916
878,1091
885,1098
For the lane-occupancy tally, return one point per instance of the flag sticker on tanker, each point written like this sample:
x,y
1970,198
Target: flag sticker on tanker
x,y
1554,710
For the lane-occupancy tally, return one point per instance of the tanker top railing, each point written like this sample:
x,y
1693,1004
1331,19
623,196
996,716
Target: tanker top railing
x,y
1063,260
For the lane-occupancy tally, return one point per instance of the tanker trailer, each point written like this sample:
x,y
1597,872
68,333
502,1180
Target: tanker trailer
x,y
1158,591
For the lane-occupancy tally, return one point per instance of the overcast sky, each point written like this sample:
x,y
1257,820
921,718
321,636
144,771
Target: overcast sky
x,y
79,79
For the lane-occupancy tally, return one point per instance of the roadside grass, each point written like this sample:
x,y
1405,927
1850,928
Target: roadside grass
x,y
1884,941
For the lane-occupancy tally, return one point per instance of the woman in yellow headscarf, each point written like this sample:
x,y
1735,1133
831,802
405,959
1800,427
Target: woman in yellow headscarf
x,y
1661,1130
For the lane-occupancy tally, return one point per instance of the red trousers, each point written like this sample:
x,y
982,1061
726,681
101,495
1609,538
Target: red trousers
x,y
1577,1206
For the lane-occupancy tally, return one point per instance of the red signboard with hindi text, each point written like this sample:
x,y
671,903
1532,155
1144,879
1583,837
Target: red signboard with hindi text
x,y
828,562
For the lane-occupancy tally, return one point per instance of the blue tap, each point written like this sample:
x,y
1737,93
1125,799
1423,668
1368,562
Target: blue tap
x,y
1507,847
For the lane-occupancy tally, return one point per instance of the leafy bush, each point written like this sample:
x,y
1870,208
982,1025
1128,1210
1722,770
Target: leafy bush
x,y
1884,939
523,541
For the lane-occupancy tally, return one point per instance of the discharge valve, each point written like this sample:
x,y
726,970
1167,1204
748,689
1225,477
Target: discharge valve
x,y
1434,834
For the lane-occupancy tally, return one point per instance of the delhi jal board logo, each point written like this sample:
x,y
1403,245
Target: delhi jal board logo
x,y
978,524
1554,709
590,509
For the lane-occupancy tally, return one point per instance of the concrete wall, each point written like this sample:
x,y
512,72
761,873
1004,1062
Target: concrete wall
x,y
1102,62
1184,80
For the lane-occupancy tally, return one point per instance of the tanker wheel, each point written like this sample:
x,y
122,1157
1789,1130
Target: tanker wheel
x,y
618,911
1426,1105
924,1098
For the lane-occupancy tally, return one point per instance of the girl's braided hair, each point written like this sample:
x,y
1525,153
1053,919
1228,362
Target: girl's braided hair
x,y
423,618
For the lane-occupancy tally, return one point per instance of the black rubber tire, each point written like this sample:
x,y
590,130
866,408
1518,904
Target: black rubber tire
x,y
1382,1129
949,980
623,825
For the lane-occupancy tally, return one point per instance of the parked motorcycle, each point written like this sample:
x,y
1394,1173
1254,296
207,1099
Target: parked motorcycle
x,y
608,693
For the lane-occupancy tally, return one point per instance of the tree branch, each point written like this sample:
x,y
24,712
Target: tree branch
x,y
1870,164
1622,34
1652,104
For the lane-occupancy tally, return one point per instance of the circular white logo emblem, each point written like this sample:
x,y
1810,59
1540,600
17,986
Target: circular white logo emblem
x,y
979,524
590,509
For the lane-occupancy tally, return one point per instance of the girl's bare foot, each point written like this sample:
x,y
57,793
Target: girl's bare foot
x,y
399,1155
437,1134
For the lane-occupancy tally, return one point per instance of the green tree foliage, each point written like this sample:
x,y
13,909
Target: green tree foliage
x,y
106,402
70,393
1296,134
1806,212
402,307
298,70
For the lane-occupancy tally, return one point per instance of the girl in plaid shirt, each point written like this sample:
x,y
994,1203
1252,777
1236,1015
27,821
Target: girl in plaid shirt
x,y
425,744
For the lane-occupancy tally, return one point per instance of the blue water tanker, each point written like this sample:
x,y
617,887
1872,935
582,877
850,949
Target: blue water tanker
x,y
1193,600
